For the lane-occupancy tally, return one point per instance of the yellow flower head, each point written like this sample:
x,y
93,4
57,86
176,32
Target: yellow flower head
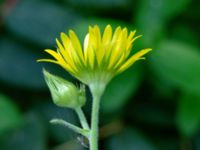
x,y
101,57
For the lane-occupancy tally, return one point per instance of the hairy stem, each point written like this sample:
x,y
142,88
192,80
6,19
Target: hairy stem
x,y
71,126
97,92
82,118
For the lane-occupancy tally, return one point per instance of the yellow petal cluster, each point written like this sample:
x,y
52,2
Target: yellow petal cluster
x,y
102,56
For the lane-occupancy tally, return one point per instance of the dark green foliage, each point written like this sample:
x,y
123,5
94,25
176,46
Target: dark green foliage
x,y
154,105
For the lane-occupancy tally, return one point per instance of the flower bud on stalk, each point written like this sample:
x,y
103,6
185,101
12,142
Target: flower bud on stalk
x,y
65,93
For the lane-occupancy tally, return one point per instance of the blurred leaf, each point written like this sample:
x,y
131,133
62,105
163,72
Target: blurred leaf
x,y
164,89
129,140
197,142
178,63
9,115
153,15
39,22
188,114
164,142
152,115
70,145
120,89
185,34
170,10
30,137
48,111
18,65
103,4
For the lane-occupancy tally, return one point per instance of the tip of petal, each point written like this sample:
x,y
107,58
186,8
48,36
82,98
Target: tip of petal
x,y
148,49
108,26
40,60
96,26
57,40
47,60
119,28
62,34
124,29
71,32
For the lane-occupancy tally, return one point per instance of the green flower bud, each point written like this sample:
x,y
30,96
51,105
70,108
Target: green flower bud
x,y
65,93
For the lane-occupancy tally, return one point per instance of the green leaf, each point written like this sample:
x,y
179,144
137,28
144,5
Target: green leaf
x,y
129,140
30,137
39,22
153,15
18,65
177,63
188,114
120,89
9,115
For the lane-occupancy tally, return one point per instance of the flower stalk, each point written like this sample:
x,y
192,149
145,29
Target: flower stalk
x,y
97,92
82,118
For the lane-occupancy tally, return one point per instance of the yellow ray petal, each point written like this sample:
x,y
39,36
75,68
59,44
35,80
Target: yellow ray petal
x,y
130,44
90,57
116,34
106,41
119,48
119,62
107,35
90,48
56,55
87,49
76,44
117,52
69,68
111,45
65,40
48,60
60,46
64,51
134,58
125,32
98,40
135,38
67,51
131,35
53,53
97,34
85,45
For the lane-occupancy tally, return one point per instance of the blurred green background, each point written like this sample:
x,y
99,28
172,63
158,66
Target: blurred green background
x,y
155,105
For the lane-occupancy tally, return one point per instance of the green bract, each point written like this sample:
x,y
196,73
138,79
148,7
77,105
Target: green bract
x,y
65,93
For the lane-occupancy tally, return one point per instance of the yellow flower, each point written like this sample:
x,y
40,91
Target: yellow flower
x,y
101,57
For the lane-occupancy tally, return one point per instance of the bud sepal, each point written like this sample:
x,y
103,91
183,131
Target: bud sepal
x,y
65,93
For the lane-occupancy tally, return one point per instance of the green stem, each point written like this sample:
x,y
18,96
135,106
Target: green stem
x,y
83,132
82,118
97,92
